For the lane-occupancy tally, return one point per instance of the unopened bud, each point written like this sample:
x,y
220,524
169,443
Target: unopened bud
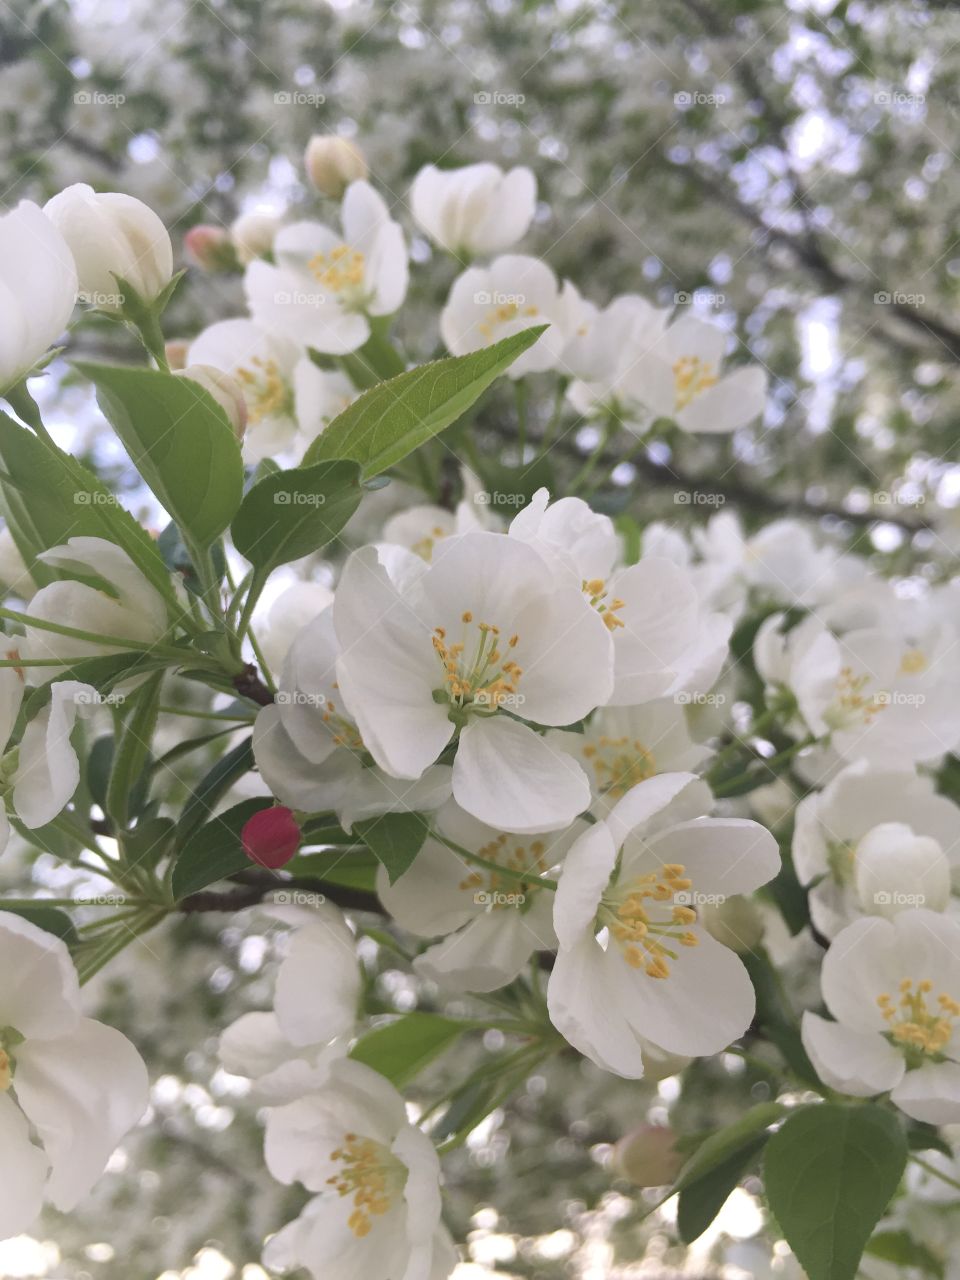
x,y
210,248
647,1157
271,837
253,235
333,163
224,388
736,922
176,352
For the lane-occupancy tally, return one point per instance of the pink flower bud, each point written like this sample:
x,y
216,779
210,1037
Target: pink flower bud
x,y
647,1157
210,248
271,837
176,352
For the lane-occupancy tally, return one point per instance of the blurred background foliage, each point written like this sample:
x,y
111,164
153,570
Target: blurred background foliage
x,y
786,169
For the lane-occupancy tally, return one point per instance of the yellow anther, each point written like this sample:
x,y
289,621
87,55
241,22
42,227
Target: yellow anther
x,y
371,1175
691,377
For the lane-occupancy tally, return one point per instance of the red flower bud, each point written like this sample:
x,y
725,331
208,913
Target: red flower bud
x,y
271,837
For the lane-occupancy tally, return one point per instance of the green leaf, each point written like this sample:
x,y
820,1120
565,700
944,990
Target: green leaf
x,y
48,497
351,870
901,1248
717,1148
132,753
404,1047
829,1174
213,851
394,839
397,416
289,514
49,919
214,785
150,841
702,1200
179,440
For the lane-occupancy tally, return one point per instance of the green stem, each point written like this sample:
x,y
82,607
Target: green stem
x,y
521,394
75,633
103,952
935,1172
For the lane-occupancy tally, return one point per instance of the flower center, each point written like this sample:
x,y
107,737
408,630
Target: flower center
x,y
265,390
853,704
6,1071
921,1030
642,928
493,890
841,861
342,271
424,548
691,377
503,314
344,730
484,678
914,662
596,591
619,763
370,1175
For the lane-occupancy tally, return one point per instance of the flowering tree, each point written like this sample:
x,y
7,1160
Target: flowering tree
x,y
478,845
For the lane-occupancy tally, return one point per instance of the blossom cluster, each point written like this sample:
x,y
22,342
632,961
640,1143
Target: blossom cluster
x,y
588,758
